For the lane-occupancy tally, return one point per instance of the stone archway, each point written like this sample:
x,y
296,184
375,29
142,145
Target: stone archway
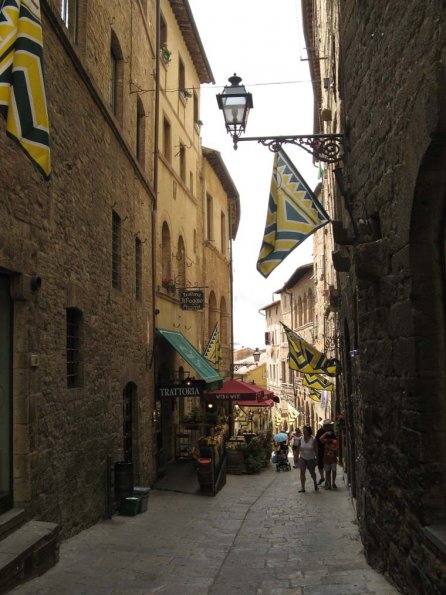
x,y
428,301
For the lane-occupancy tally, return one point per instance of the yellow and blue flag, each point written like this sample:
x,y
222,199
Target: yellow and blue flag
x,y
305,358
317,382
294,213
212,350
22,87
315,396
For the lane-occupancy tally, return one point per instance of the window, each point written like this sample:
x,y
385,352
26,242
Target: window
x,y
223,322
223,233
74,319
69,14
166,262
138,268
163,31
116,78
213,314
209,218
116,251
181,76
196,109
166,140
191,182
140,131
183,162
181,257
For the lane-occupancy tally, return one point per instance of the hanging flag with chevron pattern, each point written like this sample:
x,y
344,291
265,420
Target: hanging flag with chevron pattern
x,y
294,213
212,350
315,396
317,382
22,88
303,357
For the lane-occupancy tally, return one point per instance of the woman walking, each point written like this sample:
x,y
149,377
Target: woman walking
x,y
307,453
295,445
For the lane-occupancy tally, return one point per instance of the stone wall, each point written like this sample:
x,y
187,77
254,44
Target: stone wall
x,y
61,230
392,78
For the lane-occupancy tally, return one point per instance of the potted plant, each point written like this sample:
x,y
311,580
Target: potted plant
x,y
169,284
186,93
165,54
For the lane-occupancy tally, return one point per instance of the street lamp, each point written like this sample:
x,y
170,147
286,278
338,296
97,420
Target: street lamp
x,y
236,102
255,355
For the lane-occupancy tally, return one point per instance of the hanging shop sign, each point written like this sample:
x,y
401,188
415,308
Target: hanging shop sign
x,y
180,390
191,300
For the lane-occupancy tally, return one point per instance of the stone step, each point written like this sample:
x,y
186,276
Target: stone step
x,y
28,552
11,520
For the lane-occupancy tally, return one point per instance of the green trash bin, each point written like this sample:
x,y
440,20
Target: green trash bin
x,y
123,479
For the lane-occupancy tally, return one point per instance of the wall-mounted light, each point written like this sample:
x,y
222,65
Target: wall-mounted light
x,y
235,102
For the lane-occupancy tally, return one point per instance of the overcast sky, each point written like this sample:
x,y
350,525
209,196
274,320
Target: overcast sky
x,y
261,41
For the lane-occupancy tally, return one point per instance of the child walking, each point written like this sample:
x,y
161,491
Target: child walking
x,y
330,459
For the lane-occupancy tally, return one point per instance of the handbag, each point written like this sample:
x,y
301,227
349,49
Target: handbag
x,y
275,458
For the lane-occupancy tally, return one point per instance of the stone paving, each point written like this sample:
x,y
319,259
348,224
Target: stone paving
x,y
257,536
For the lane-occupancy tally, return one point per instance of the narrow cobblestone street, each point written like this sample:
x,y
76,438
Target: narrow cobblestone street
x,y
257,536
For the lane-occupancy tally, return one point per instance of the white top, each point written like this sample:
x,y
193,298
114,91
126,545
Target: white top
x,y
307,448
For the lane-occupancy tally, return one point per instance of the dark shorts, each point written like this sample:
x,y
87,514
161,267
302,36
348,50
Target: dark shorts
x,y
309,464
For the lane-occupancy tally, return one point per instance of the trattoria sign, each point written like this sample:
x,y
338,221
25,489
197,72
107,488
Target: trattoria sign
x,y
179,390
192,300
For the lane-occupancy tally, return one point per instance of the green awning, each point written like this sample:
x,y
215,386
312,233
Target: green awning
x,y
193,357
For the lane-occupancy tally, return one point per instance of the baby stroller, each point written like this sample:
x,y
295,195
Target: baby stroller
x,y
282,462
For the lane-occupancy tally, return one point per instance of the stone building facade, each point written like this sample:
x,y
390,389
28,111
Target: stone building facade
x,y
296,309
197,217
384,63
75,262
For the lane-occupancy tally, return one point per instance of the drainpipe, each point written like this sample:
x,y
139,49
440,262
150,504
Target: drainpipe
x,y
155,199
231,280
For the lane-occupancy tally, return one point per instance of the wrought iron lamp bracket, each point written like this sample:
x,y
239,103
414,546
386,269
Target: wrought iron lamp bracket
x,y
328,148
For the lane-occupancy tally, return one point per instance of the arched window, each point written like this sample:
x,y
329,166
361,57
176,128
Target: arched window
x,y
305,309
116,78
166,260
181,257
299,311
223,322
212,312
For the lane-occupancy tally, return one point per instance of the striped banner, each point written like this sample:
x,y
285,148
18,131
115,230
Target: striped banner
x,y
303,357
294,213
315,396
317,382
22,88
212,350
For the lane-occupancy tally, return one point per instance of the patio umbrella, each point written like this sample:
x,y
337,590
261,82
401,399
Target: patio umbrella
x,y
280,437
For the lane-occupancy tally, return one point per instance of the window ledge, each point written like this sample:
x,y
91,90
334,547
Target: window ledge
x,y
437,535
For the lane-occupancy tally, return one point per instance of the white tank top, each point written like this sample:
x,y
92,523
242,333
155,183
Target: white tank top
x,y
307,448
